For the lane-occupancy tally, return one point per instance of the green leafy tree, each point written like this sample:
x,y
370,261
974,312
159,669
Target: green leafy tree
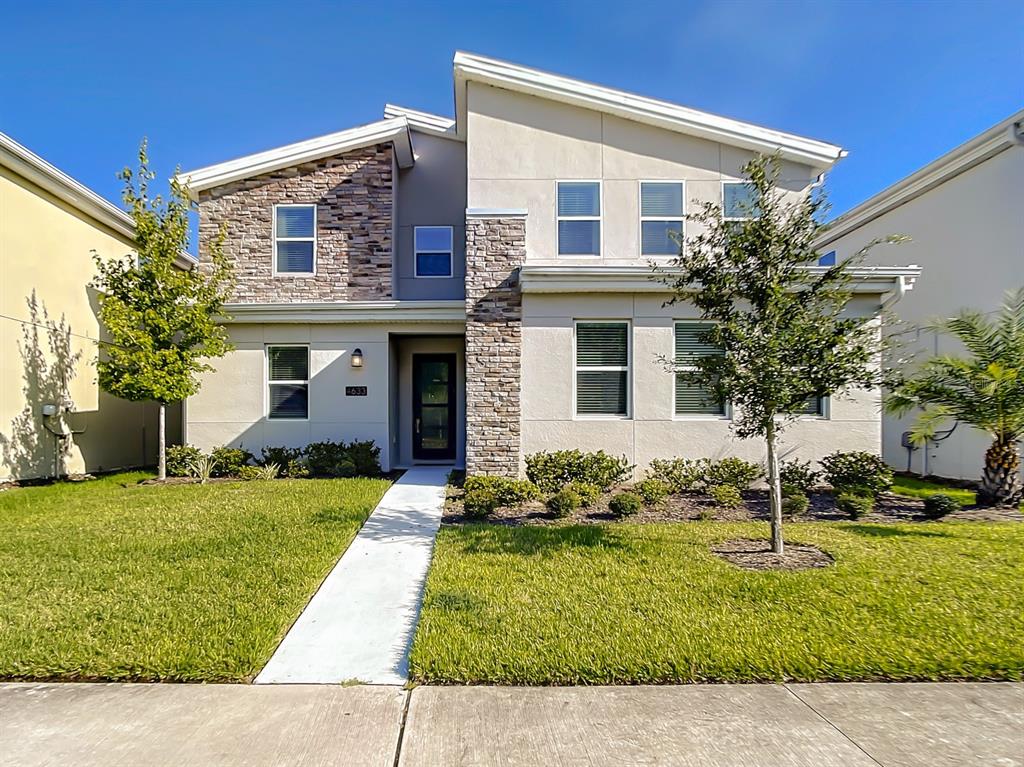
x,y
162,320
780,320
984,389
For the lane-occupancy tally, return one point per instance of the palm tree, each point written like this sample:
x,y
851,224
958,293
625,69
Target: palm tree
x,y
984,389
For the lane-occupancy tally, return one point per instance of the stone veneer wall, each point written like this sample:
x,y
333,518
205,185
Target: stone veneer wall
x,y
495,249
353,193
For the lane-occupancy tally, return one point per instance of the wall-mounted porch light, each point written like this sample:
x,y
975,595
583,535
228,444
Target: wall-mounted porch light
x,y
357,358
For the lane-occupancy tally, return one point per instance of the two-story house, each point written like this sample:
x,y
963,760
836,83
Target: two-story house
x,y
473,290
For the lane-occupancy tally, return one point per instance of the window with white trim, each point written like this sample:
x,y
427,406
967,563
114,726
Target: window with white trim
x,y
661,218
433,246
295,239
814,406
288,382
579,218
602,368
691,345
739,201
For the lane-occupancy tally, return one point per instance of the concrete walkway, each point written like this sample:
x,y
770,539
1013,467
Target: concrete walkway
x,y
824,725
360,623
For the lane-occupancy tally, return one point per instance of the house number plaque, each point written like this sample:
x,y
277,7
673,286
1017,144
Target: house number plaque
x,y
355,391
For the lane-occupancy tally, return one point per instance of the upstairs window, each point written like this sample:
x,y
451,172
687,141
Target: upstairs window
x,y
579,218
739,201
602,368
288,382
295,239
661,217
692,398
829,259
433,245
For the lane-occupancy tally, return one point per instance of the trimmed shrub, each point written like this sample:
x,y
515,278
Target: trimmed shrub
x,y
795,505
625,504
479,503
552,471
588,492
180,458
249,473
564,502
799,474
508,491
732,472
289,459
230,460
682,475
652,491
343,459
939,505
856,505
726,496
857,473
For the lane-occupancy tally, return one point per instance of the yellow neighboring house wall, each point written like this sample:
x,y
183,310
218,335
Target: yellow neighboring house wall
x,y
49,331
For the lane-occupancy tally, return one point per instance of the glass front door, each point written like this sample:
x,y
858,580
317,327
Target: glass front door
x,y
433,406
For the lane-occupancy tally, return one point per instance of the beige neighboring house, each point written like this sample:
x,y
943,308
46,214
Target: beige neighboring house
x,y
472,290
54,420
964,213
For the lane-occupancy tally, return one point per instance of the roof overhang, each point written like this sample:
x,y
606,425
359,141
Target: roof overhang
x,y
42,174
424,122
1006,134
878,280
469,67
350,312
394,130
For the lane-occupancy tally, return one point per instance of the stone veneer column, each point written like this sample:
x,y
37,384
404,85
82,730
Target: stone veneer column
x,y
495,249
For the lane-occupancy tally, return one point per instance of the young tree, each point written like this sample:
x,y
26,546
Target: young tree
x,y
778,318
984,389
162,320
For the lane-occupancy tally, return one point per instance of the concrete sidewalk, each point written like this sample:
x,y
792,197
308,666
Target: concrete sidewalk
x,y
824,725
360,623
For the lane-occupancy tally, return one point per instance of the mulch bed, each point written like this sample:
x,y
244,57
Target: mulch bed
x,y
685,508
752,554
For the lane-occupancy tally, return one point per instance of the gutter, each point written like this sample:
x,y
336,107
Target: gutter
x,y
348,312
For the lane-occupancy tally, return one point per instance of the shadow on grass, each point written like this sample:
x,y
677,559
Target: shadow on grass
x,y
891,531
529,541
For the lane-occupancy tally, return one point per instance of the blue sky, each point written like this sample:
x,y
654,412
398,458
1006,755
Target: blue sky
x,y
896,83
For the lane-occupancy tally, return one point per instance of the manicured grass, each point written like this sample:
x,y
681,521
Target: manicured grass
x,y
603,604
922,488
113,580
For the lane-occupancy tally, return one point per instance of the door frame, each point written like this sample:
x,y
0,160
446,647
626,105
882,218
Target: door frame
x,y
418,452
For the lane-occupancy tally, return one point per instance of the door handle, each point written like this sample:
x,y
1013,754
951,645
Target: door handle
x,y
417,425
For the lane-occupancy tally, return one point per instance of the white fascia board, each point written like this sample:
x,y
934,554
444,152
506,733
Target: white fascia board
x,y
424,122
38,171
879,280
496,212
394,130
996,139
820,155
349,312
31,166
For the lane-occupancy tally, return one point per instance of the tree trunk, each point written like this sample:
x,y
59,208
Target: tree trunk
x,y
774,492
161,461
1000,481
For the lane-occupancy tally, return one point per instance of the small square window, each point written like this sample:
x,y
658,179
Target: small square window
x,y
739,201
433,246
294,239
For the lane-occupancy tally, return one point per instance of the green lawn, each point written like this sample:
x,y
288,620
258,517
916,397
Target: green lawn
x,y
628,603
922,488
112,580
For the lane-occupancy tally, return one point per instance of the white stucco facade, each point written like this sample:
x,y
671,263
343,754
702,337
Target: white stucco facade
x,y
964,215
